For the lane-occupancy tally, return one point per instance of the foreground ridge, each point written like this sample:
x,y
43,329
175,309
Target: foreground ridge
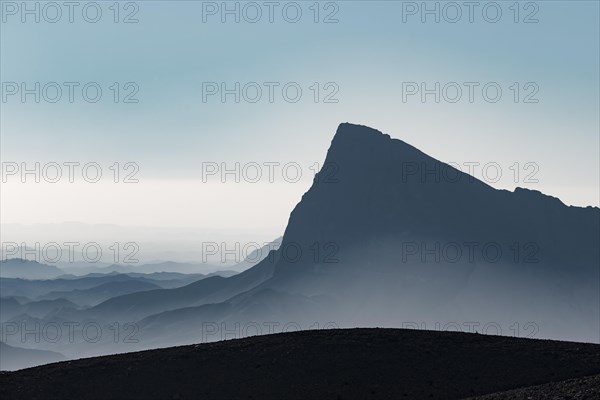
x,y
338,363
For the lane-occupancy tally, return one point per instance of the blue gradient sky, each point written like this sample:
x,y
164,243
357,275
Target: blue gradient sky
x,y
368,54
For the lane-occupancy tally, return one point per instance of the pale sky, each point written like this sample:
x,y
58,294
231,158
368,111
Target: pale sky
x,y
363,61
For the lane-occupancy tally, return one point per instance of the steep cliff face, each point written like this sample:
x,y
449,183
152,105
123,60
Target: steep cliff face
x,y
373,188
388,236
391,233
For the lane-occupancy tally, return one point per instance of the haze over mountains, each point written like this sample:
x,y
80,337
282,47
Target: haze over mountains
x,y
19,268
178,245
17,358
386,236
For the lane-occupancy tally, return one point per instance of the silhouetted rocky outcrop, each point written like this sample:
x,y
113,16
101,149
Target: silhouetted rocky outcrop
x,y
388,236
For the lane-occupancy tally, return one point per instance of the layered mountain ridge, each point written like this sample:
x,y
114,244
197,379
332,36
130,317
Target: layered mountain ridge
x,y
389,236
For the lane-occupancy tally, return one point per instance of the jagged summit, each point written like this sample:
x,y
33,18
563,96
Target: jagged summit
x,y
536,195
366,146
366,138
347,130
373,187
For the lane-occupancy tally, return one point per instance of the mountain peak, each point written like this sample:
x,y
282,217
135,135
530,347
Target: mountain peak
x,y
348,130
362,135
374,188
525,194
362,143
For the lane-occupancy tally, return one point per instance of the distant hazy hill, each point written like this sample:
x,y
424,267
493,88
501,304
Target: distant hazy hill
x,y
32,289
11,307
257,255
100,293
13,358
164,267
27,269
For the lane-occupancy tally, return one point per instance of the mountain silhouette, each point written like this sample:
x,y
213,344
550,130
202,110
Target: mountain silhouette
x,y
27,269
100,293
376,242
384,188
14,358
390,225
389,236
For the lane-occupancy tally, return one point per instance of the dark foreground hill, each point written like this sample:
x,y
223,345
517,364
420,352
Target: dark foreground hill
x,y
572,389
321,364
